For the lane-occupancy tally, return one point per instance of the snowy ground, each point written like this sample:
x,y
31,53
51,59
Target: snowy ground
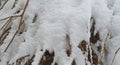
x,y
59,32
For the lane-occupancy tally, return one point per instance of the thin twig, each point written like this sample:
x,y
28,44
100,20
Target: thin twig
x,y
5,25
8,23
10,17
4,4
20,23
23,57
115,56
4,35
103,48
14,3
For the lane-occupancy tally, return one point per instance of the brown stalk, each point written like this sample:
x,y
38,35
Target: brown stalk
x,y
20,23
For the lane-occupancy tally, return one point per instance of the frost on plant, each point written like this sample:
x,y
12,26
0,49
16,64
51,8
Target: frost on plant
x,y
59,32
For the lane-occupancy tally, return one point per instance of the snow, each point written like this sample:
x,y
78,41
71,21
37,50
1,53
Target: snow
x,y
47,24
115,33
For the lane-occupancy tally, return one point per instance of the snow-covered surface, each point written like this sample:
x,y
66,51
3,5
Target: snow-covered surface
x,y
47,24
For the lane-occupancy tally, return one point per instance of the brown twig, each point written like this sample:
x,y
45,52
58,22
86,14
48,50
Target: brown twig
x,y
115,56
20,23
